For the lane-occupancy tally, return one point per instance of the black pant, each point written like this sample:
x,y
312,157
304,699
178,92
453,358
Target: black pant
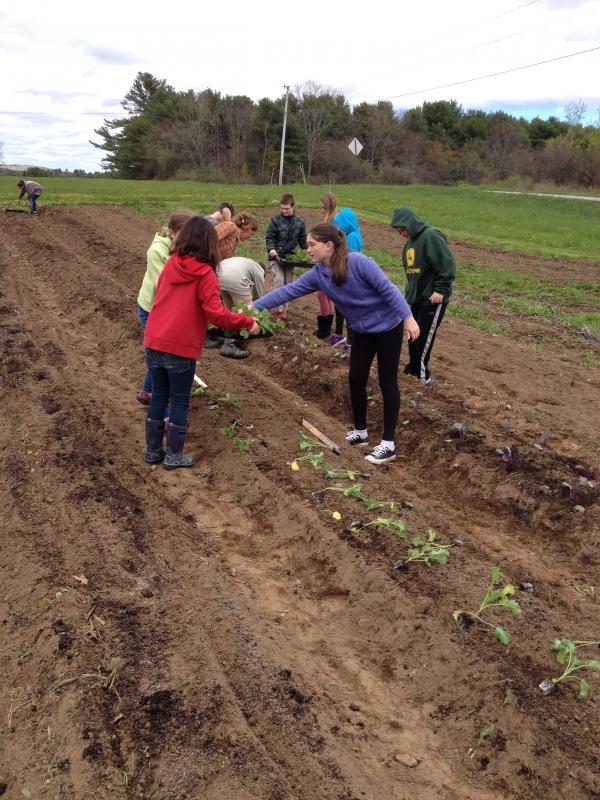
x,y
387,346
429,317
339,324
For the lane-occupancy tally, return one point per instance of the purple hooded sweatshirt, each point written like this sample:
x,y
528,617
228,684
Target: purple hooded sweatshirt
x,y
368,299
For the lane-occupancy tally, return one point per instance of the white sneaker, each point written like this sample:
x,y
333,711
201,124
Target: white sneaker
x,y
354,438
381,455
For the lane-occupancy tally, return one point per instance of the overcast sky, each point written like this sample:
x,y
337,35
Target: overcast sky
x,y
66,66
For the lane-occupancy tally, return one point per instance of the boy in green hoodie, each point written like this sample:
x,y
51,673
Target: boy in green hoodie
x,y
430,271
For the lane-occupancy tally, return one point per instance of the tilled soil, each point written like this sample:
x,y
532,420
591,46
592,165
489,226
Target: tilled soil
x,y
214,633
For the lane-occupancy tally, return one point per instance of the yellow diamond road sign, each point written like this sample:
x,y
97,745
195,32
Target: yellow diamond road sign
x,y
355,146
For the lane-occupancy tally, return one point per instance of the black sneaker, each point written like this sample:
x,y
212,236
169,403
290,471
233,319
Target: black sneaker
x,y
381,455
354,438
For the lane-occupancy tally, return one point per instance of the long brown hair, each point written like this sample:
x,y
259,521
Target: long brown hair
x,y
329,204
245,221
198,238
326,232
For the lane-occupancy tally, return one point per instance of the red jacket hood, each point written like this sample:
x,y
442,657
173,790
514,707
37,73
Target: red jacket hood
x,y
187,269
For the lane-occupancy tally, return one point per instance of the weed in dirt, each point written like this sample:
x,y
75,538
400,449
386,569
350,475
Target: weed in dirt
x,y
565,654
494,596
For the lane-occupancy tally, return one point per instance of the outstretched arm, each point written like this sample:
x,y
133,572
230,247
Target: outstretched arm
x,y
306,284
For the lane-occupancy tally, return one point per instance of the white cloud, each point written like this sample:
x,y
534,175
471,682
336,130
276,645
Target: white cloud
x,y
55,58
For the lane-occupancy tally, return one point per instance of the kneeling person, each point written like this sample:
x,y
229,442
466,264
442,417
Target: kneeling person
x,y
242,280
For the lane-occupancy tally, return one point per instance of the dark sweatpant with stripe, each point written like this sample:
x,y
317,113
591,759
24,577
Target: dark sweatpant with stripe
x,y
429,317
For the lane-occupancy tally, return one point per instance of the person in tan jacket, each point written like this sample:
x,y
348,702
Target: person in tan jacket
x,y
233,231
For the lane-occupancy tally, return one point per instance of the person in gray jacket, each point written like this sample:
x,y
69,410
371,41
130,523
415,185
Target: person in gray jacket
x,y
242,280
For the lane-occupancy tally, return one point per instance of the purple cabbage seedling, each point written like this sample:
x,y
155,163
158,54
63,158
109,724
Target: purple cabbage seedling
x,y
542,444
461,429
506,454
575,485
495,595
416,403
565,653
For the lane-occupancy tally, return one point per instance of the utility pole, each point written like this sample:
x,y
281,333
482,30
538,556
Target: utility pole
x,y
285,113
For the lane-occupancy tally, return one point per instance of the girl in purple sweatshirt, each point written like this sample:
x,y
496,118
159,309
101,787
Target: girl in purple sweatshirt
x,y
378,314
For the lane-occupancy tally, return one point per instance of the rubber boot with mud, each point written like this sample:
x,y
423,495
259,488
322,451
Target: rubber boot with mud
x,y
174,457
229,349
324,323
214,338
155,429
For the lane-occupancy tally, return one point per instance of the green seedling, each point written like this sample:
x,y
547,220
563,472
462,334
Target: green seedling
x,y
335,474
495,595
313,458
565,654
356,491
306,443
201,391
268,323
242,444
428,550
232,400
397,526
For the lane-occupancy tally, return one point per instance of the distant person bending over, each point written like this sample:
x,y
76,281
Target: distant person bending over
x,y
378,313
286,231
224,213
156,258
187,299
430,271
33,190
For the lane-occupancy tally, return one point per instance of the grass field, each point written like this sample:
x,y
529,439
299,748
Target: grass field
x,y
542,225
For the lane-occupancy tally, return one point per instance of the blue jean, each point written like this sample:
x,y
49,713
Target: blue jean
x,y
143,315
172,379
33,200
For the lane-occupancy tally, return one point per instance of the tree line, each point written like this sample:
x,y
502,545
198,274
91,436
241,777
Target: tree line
x,y
207,136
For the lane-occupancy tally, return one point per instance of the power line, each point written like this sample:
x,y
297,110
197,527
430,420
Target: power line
x,y
461,31
492,74
447,56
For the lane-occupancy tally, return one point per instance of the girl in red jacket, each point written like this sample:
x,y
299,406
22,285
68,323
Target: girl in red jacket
x,y
188,297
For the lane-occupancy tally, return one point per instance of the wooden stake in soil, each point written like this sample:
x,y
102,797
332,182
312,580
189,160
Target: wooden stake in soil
x,y
321,437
